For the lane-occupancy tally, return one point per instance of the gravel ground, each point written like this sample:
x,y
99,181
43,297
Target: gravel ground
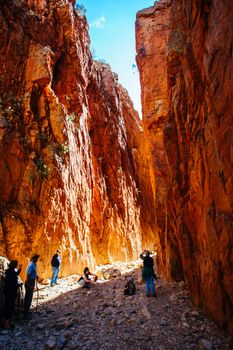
x,y
102,318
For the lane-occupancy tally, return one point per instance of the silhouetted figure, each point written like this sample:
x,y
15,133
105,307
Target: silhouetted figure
x,y
10,290
148,273
130,288
30,284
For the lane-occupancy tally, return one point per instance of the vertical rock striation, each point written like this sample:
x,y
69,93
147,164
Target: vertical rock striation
x,y
72,166
184,55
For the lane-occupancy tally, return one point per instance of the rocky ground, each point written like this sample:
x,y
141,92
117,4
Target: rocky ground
x,y
102,318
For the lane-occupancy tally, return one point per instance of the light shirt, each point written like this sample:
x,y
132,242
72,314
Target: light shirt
x,y
31,270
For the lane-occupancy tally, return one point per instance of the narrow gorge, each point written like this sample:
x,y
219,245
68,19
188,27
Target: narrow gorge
x,y
80,171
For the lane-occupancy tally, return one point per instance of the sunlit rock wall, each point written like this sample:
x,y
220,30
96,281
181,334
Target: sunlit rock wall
x,y
184,55
70,144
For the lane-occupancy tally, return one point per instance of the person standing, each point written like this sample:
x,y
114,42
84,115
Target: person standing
x,y
30,284
56,263
148,273
10,290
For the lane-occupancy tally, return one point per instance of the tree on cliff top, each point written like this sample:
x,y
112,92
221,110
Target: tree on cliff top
x,y
80,8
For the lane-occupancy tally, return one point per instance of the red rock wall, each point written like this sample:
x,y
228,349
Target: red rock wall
x,y
184,55
70,143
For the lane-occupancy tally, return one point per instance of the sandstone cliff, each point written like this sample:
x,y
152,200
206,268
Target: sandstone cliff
x,y
184,55
71,168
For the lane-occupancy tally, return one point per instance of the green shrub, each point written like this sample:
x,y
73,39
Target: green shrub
x,y
80,9
64,148
42,167
71,117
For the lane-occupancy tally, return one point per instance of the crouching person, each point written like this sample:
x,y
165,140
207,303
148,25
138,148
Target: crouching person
x,y
87,278
30,285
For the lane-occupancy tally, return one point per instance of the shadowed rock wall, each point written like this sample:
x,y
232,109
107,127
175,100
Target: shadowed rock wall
x,y
184,55
71,168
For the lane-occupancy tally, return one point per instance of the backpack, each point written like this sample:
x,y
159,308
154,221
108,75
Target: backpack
x,y
130,288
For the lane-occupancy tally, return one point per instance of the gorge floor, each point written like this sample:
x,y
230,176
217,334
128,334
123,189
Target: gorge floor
x,y
102,318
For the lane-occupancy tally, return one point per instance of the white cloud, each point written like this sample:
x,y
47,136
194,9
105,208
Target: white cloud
x,y
98,23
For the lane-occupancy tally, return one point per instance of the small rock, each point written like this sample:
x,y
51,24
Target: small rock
x,y
182,284
30,345
146,312
59,325
75,278
18,334
111,273
161,347
173,298
45,282
113,322
72,346
68,334
50,344
40,326
61,342
185,324
205,344
163,322
156,333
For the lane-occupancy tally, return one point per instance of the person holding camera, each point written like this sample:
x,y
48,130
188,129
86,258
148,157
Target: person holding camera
x,y
148,273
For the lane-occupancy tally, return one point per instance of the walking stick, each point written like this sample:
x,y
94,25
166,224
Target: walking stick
x,y
37,296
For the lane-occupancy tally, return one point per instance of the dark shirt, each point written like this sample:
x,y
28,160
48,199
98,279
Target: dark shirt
x,y
56,261
147,261
148,267
11,281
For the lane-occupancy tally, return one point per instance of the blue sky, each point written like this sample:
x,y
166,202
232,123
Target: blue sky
x,y
112,33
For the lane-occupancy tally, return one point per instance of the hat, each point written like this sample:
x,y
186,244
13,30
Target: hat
x,y
58,250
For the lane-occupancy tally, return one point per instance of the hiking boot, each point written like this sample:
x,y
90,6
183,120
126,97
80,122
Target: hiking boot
x,y
154,295
148,295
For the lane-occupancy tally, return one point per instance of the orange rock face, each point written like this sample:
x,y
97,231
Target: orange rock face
x,y
184,55
72,172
